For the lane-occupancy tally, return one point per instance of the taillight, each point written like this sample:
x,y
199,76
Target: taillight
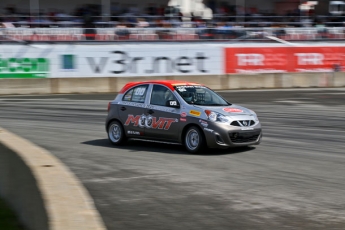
x,y
109,103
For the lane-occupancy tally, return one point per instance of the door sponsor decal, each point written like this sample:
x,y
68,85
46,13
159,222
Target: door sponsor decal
x,y
183,119
142,105
134,132
183,114
232,110
150,122
195,113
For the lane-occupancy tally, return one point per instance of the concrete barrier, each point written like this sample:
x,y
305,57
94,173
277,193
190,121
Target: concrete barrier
x,y
41,190
25,86
217,82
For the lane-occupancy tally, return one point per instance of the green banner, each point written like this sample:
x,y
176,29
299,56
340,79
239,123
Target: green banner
x,y
24,67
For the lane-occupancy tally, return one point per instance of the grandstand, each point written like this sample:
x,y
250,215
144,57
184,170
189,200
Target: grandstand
x,y
174,20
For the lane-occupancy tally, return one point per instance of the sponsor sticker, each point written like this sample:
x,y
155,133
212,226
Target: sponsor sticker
x,y
232,110
127,97
141,105
133,132
208,130
183,119
195,113
183,114
203,123
161,108
247,128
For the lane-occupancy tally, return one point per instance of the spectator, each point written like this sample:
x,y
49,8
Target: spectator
x,y
142,23
89,26
321,29
161,10
151,10
121,30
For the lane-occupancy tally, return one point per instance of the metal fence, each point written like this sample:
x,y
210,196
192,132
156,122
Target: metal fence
x,y
170,34
175,21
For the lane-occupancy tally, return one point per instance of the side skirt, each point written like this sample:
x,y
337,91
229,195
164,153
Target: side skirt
x,y
155,141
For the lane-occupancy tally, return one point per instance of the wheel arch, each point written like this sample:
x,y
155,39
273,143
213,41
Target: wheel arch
x,y
110,121
185,128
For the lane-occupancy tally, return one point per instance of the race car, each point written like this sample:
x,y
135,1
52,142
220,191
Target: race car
x,y
180,112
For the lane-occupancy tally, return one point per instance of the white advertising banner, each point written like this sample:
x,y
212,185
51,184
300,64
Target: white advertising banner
x,y
48,60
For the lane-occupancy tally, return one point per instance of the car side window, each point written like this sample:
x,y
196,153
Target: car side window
x,y
160,95
136,94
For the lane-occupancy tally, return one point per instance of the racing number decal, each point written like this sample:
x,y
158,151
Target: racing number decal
x,y
150,121
139,91
172,103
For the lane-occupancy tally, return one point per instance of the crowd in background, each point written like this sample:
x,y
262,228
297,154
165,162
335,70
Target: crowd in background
x,y
129,15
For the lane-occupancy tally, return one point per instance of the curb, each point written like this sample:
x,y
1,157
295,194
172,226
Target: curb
x,y
43,192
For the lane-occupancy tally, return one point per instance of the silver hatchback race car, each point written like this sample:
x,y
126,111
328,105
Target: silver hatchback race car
x,y
180,112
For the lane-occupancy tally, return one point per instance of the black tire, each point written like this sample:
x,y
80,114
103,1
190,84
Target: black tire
x,y
194,140
116,133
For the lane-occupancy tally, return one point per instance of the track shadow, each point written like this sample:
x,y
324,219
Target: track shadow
x,y
134,145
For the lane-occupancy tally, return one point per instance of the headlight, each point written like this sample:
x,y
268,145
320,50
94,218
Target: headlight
x,y
216,117
254,115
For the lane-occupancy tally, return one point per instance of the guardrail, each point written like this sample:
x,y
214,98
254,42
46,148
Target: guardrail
x,y
170,34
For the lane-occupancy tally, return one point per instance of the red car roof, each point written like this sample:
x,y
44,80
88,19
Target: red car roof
x,y
168,83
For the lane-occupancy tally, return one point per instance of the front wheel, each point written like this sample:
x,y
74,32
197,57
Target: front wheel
x,y
116,134
194,140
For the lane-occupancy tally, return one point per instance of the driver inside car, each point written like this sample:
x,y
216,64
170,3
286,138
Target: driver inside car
x,y
188,96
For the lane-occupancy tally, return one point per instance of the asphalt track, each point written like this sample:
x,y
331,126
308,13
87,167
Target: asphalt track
x,y
293,180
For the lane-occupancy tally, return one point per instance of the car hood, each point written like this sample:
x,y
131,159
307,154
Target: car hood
x,y
229,110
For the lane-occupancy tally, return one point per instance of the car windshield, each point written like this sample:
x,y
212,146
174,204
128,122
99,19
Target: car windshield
x,y
200,95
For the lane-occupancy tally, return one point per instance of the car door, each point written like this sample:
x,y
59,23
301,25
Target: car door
x,y
131,110
163,120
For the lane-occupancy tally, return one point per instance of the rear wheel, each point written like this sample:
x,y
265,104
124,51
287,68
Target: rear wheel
x,y
116,134
194,140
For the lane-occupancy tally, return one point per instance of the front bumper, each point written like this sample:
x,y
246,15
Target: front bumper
x,y
225,136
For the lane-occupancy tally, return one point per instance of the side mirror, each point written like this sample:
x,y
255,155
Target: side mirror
x,y
173,103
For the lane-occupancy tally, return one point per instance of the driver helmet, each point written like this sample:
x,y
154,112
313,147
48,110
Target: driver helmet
x,y
188,96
